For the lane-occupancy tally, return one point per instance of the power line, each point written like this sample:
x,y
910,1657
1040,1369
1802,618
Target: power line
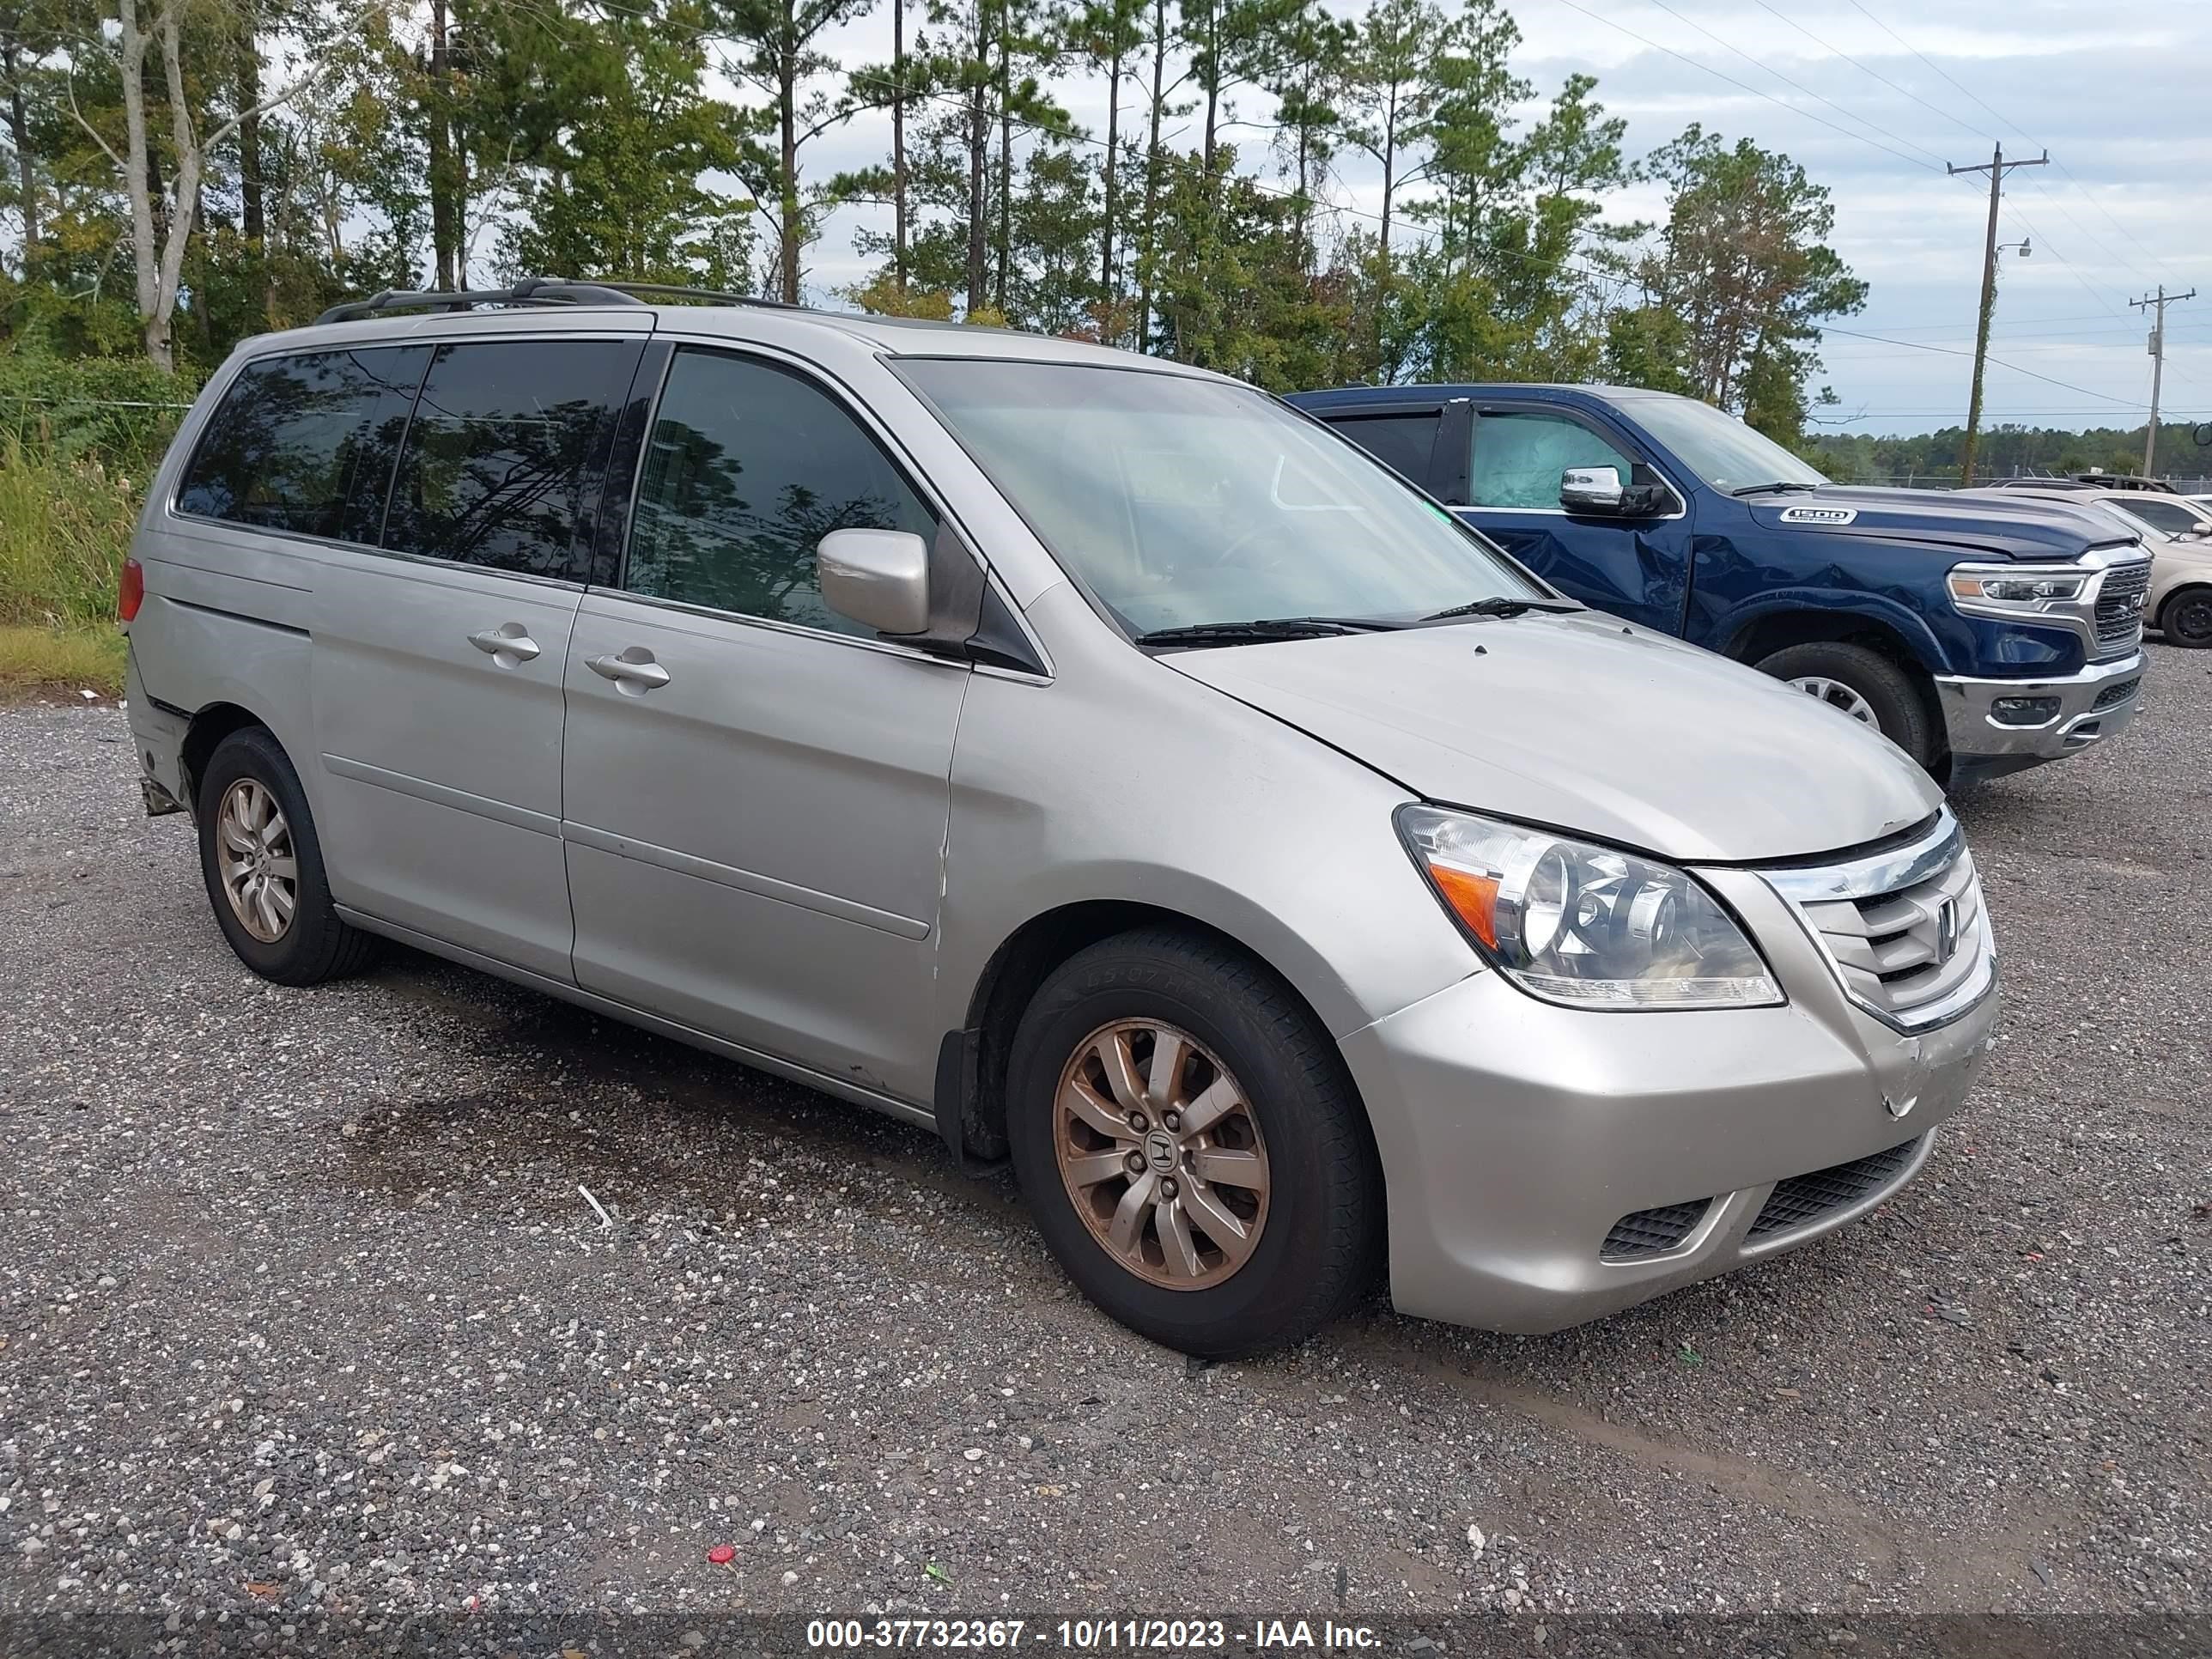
x,y
2001,122
1937,328
1934,159
1931,64
1741,86
2092,340
1947,115
1809,115
1953,352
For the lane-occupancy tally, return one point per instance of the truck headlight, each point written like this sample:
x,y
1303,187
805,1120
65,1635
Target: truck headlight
x,y
1583,925
2024,588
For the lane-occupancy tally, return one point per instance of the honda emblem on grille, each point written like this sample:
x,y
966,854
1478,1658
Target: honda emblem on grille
x,y
1947,931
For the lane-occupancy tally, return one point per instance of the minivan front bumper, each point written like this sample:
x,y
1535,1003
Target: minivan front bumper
x,y
1547,1166
2041,719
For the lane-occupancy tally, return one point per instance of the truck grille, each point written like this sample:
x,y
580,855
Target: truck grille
x,y
1905,931
1805,1199
1652,1232
2120,608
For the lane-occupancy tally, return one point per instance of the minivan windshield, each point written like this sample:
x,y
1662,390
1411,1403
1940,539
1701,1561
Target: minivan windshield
x,y
1720,449
1179,501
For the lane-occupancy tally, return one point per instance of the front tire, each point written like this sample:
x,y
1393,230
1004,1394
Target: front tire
x,y
2186,619
1191,1147
1864,685
263,864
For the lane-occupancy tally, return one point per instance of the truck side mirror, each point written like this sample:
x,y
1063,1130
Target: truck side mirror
x,y
1598,490
1591,490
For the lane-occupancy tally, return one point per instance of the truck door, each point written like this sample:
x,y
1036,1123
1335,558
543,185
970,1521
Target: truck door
x,y
1637,568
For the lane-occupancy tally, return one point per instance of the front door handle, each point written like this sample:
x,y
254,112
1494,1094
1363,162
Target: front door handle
x,y
634,672
509,645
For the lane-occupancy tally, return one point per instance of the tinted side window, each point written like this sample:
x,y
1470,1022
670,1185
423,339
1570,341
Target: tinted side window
x,y
305,444
502,461
748,467
1404,442
1519,458
2170,516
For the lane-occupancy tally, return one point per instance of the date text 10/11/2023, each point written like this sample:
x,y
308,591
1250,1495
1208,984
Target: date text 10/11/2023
x,y
1093,1635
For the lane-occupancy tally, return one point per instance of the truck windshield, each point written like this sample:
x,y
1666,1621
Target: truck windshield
x,y
1179,501
1719,448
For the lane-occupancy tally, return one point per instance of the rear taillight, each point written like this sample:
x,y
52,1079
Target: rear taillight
x,y
131,592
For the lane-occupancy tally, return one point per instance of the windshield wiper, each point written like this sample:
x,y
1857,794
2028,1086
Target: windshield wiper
x,y
1767,489
1246,633
1496,605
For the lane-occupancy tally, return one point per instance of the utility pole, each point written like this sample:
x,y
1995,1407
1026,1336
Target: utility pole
x,y
2157,364
1996,166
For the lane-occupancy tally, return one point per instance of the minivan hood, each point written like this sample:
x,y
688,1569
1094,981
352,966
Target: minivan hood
x,y
1991,522
1580,723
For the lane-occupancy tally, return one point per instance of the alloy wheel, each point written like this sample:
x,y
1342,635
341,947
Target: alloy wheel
x,y
1161,1154
254,854
1838,697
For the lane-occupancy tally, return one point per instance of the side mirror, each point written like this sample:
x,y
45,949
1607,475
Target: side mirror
x,y
879,578
1591,490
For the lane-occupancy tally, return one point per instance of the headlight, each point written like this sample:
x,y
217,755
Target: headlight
x,y
2021,588
1587,926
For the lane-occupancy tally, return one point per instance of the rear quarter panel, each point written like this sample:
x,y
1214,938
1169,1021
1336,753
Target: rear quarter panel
x,y
225,618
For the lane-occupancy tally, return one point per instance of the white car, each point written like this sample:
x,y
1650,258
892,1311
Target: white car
x,y
2180,602
2178,516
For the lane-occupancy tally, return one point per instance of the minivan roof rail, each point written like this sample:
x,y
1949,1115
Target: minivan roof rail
x,y
713,295
534,291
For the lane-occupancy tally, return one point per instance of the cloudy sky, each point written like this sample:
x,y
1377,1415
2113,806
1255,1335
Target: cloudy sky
x,y
1873,96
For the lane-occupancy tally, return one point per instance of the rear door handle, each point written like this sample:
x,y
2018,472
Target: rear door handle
x,y
509,645
634,672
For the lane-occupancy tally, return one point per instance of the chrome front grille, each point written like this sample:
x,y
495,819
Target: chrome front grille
x,y
2120,608
1905,931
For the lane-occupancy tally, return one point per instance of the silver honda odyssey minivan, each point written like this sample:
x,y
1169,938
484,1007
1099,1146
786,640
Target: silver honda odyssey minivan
x,y
1083,755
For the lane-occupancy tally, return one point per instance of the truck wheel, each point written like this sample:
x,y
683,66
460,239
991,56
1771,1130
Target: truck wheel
x,y
2187,618
1864,684
264,867
1190,1146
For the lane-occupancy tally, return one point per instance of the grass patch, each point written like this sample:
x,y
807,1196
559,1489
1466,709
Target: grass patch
x,y
65,526
69,659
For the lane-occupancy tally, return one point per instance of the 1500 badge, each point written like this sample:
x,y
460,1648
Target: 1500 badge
x,y
1830,515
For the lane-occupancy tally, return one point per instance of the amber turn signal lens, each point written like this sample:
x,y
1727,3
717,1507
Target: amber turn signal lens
x,y
1473,899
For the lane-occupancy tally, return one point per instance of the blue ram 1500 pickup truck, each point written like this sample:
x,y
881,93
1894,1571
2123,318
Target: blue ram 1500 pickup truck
x,y
1980,635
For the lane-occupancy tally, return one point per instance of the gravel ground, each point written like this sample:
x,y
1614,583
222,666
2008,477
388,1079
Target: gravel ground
x,y
300,1304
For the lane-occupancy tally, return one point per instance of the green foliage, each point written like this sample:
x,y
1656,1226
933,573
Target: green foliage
x,y
86,658
1743,267
620,189
2004,451
584,138
77,442
119,412
65,528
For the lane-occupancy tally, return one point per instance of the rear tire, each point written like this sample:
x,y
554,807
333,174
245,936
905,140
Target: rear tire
x,y
263,864
1862,683
1231,1204
2186,619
